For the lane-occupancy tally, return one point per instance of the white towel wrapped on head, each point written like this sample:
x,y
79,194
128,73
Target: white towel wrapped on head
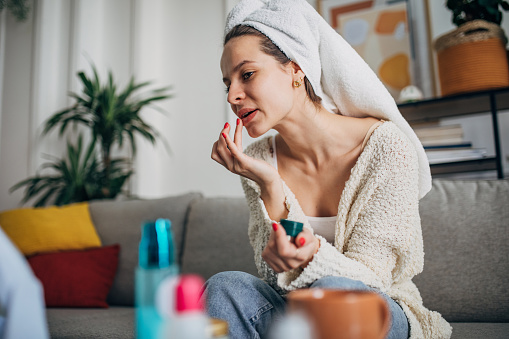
x,y
337,73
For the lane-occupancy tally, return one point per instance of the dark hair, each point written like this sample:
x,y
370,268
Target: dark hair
x,y
268,47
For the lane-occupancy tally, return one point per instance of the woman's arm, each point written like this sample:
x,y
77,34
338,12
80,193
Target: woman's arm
x,y
274,199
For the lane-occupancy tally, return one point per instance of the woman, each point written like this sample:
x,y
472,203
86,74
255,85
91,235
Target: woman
x,y
354,178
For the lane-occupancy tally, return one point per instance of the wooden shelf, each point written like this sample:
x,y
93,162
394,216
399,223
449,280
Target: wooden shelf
x,y
455,105
489,102
485,164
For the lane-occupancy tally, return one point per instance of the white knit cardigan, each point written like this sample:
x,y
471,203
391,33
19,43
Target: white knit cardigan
x,y
378,237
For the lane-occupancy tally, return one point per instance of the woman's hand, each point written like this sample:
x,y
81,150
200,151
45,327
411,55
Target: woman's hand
x,y
282,255
229,153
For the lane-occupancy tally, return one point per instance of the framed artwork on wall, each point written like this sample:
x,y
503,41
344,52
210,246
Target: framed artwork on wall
x,y
390,35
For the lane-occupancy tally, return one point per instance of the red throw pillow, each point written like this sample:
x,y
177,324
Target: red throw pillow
x,y
77,278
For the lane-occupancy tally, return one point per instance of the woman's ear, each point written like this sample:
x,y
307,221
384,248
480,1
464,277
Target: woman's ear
x,y
296,70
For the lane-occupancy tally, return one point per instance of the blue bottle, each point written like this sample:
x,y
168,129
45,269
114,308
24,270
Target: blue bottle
x,y
156,262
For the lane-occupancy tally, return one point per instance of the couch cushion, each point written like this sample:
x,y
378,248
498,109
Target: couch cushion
x,y
76,278
114,322
216,237
120,222
466,244
47,229
480,330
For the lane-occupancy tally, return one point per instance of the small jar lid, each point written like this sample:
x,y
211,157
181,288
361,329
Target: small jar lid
x,y
217,328
291,227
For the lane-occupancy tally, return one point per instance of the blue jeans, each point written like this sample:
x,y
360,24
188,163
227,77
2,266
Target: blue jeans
x,y
250,305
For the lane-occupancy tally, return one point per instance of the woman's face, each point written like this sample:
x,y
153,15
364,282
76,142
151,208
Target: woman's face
x,y
259,88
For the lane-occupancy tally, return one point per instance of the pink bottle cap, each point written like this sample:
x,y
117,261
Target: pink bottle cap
x,y
188,293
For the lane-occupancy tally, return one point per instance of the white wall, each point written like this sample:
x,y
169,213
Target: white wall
x,y
170,42
17,39
188,54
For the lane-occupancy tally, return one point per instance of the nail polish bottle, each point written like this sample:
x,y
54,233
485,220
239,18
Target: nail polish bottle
x,y
190,320
292,228
156,262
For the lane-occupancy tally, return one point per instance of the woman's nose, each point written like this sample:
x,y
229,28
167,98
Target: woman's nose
x,y
235,94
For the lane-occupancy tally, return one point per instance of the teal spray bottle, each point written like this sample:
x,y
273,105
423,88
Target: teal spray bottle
x,y
156,262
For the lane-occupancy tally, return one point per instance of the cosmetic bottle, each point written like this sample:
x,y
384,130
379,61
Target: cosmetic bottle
x,y
190,320
292,228
156,263
292,325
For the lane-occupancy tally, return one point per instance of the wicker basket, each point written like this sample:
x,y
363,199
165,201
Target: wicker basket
x,y
472,58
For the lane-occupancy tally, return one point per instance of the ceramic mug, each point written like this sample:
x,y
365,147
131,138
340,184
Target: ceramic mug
x,y
342,314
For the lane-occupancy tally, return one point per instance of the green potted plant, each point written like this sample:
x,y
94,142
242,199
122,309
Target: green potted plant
x,y
464,11
18,8
473,57
79,176
113,120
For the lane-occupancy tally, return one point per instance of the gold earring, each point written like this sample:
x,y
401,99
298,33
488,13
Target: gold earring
x,y
297,83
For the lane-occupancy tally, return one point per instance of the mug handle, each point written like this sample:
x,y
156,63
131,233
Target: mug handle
x,y
386,317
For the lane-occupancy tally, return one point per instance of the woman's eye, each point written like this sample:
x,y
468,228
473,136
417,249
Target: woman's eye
x,y
247,75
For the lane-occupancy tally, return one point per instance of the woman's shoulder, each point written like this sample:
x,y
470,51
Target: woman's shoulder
x,y
260,149
391,141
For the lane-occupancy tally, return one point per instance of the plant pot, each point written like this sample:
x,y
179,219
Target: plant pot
x,y
472,58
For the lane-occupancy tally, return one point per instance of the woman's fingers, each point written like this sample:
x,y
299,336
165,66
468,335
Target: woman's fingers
x,y
220,150
286,251
231,145
220,153
235,156
304,238
281,239
308,244
271,256
226,152
298,251
237,137
274,261
224,132
277,264
215,155
284,247
229,153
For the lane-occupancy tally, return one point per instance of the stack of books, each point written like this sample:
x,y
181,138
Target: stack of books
x,y
446,143
440,156
431,135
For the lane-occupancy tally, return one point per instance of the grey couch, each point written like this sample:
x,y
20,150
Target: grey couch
x,y
466,240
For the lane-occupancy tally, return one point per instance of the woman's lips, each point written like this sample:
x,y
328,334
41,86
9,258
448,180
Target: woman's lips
x,y
245,111
249,117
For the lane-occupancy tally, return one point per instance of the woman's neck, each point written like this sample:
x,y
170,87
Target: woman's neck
x,y
314,136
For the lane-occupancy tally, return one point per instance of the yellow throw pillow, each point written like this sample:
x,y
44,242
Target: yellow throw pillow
x,y
38,230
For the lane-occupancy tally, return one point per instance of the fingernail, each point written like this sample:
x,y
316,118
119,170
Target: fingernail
x,y
224,135
238,121
226,125
274,226
302,241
